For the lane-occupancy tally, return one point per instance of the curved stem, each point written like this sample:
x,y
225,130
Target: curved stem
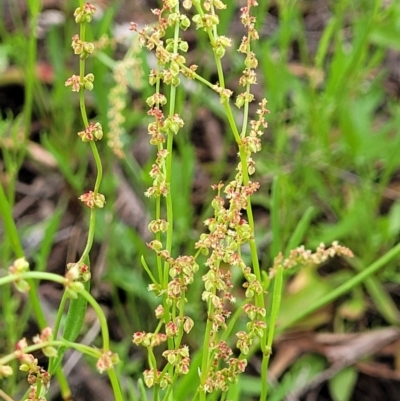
x,y
102,319
90,238
9,224
61,280
115,384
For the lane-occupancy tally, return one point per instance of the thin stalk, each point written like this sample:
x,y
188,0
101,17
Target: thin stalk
x,y
115,384
9,224
90,238
276,304
170,141
158,214
206,350
102,319
61,280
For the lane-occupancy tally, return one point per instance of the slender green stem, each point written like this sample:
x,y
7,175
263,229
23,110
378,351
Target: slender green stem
x,y
53,343
63,383
170,142
90,238
115,384
206,347
102,319
99,167
61,280
59,316
33,275
245,113
276,303
232,124
9,224
148,271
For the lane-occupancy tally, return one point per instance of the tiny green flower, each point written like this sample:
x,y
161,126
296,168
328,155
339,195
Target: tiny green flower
x,y
91,200
5,371
84,14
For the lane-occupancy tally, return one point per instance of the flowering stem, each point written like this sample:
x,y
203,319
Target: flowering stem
x,y
52,343
170,141
61,280
158,215
344,288
102,318
276,303
206,349
115,384
89,241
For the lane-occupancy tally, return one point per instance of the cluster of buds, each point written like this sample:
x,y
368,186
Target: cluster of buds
x,y
178,358
85,13
249,76
148,340
76,84
45,336
205,21
181,270
224,93
155,377
221,44
228,231
19,267
155,130
151,36
5,371
249,20
208,20
92,200
304,257
158,174
252,142
172,328
159,225
29,364
219,380
78,272
107,361
93,132
81,48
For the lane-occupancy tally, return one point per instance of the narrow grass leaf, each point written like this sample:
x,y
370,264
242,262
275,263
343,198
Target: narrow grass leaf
x,y
300,230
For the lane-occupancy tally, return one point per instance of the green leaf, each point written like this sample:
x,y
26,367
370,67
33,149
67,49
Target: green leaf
x,y
342,385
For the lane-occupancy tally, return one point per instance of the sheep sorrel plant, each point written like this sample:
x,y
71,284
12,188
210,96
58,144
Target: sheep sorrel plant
x,y
233,330
77,279
226,345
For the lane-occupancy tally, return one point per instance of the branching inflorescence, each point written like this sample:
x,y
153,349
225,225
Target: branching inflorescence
x,y
224,353
77,277
232,225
